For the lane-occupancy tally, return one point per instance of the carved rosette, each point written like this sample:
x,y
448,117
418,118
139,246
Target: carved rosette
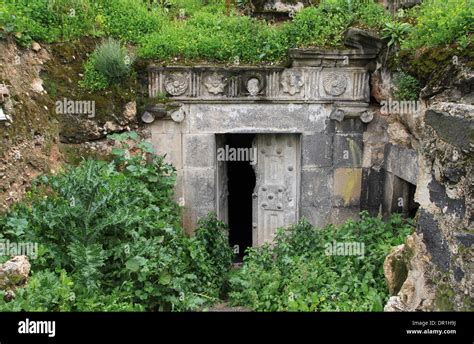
x,y
215,83
292,82
335,83
176,83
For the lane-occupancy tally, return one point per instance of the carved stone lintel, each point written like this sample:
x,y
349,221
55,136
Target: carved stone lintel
x,y
337,115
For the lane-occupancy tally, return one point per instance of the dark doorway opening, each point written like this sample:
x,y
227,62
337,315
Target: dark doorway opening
x,y
241,184
412,204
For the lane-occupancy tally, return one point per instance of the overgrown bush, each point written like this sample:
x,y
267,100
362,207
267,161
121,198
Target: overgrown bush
x,y
109,64
93,80
48,20
129,20
298,274
440,22
112,61
115,229
408,87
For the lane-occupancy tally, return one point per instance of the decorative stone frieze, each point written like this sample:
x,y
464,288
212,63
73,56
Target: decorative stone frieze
x,y
314,77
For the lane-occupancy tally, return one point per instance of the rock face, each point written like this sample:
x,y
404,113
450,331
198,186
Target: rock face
x,y
395,269
438,257
394,5
14,273
407,270
361,39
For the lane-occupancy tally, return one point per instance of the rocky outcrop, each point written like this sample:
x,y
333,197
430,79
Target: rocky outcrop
x,y
440,272
407,270
13,274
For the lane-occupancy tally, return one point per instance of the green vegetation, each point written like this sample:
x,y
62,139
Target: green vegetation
x,y
440,22
110,239
408,87
187,28
112,233
109,64
297,274
190,29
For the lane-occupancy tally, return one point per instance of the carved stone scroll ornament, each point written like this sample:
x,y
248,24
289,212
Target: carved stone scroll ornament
x,y
292,82
176,84
367,116
335,83
337,115
215,83
178,116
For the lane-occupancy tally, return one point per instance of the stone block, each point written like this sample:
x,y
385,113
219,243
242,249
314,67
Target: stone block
x,y
372,190
316,187
347,126
316,150
402,162
199,150
257,118
347,187
319,217
199,187
340,215
168,144
347,150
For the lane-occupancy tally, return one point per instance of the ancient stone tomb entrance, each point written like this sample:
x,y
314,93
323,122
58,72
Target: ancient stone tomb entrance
x,y
257,189
302,124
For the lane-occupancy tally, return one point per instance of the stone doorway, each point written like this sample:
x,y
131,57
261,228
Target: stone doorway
x,y
240,187
258,185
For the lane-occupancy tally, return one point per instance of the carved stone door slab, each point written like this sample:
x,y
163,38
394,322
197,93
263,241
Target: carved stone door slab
x,y
275,198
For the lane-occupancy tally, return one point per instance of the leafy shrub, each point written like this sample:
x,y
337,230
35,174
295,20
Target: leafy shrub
x,y
440,22
115,229
93,80
395,32
108,64
112,61
408,87
296,274
372,15
45,291
48,20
